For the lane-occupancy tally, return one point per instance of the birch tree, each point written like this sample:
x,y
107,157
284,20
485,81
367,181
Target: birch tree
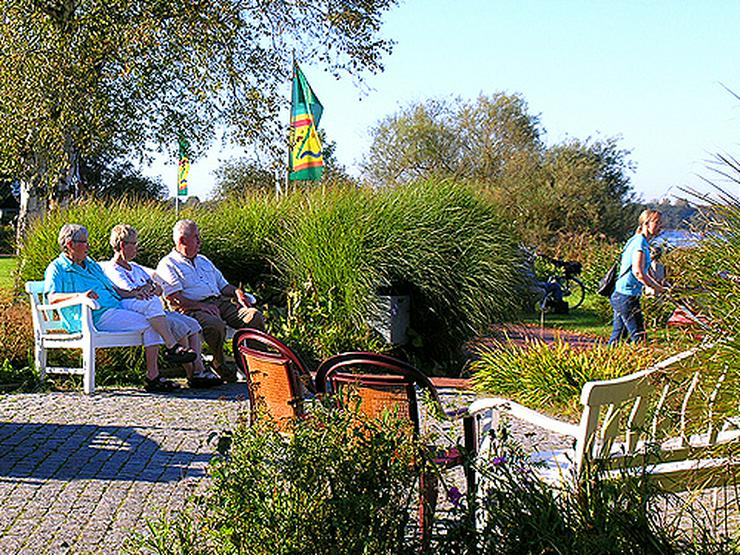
x,y
124,77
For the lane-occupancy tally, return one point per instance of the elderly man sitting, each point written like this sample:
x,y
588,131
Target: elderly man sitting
x,y
194,286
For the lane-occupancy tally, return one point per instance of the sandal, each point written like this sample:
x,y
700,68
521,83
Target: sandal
x,y
160,385
179,354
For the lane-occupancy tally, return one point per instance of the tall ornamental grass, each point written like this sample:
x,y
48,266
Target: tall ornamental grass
x,y
708,281
317,259
457,256
550,377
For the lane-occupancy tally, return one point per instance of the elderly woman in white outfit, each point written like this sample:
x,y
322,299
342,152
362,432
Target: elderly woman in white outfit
x,y
180,333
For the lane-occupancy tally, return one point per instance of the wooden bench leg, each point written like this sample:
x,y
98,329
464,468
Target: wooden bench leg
x,y
88,369
40,360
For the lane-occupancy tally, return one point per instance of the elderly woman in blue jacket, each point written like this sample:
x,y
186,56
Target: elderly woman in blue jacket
x,y
634,274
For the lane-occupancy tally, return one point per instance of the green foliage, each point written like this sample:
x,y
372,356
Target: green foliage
x,y
17,379
7,239
316,259
575,186
337,483
241,176
115,78
519,513
153,220
457,256
115,179
550,377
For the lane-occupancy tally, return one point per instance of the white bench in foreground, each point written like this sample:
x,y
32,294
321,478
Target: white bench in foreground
x,y
640,422
48,333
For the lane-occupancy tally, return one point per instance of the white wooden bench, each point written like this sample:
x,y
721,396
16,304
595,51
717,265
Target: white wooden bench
x,y
50,334
634,424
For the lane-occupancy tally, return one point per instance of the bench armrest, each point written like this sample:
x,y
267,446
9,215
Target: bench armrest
x,y
84,301
523,413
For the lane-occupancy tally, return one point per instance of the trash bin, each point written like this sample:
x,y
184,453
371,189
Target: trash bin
x,y
390,317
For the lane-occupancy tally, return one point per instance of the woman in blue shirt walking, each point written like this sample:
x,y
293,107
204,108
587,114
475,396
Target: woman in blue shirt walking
x,y
634,275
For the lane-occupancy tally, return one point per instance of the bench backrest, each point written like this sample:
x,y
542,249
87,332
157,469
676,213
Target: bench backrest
x,y
627,421
44,321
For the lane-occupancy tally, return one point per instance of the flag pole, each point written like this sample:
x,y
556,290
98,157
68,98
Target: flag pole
x,y
286,170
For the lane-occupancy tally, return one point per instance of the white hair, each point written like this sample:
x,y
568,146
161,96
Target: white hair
x,y
183,228
71,232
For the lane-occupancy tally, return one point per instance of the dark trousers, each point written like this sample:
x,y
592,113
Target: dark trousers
x,y
628,320
231,314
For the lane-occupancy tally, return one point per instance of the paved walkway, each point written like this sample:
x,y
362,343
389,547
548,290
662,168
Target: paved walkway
x,y
79,473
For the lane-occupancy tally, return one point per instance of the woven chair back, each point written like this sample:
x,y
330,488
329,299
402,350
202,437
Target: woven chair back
x,y
381,384
277,380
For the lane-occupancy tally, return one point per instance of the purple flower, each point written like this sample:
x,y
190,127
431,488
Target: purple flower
x,y
454,496
498,461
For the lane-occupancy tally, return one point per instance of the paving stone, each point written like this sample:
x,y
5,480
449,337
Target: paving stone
x,y
79,473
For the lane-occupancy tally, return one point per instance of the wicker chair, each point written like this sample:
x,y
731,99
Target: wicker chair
x,y
384,384
277,379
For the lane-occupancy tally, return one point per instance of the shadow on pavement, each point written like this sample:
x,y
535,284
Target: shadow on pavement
x,y
82,452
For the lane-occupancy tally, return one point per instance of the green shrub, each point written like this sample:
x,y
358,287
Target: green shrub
x,y
518,513
7,239
317,258
338,483
550,377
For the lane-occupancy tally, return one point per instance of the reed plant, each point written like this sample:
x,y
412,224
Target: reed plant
x,y
317,260
455,254
550,377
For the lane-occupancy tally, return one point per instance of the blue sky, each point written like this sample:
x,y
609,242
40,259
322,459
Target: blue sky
x,y
650,72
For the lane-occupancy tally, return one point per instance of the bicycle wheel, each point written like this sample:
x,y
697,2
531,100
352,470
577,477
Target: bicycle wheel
x,y
575,291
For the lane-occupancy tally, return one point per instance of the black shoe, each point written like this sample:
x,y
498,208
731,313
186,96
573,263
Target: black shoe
x,y
160,385
227,373
204,380
179,354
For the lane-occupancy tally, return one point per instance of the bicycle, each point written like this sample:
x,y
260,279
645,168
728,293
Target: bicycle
x,y
571,286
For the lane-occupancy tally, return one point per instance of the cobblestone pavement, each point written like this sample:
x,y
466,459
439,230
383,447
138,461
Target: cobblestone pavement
x,y
78,473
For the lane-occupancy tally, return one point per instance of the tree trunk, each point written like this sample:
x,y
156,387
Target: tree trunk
x,y
33,206
34,199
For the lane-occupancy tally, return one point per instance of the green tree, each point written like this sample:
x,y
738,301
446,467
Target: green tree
x,y
419,142
240,175
494,141
83,77
253,173
116,179
584,187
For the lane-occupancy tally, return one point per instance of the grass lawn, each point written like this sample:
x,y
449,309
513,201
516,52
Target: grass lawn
x,y
7,265
580,321
586,319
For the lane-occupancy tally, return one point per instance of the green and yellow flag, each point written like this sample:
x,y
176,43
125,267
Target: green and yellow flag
x,y
306,158
183,169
